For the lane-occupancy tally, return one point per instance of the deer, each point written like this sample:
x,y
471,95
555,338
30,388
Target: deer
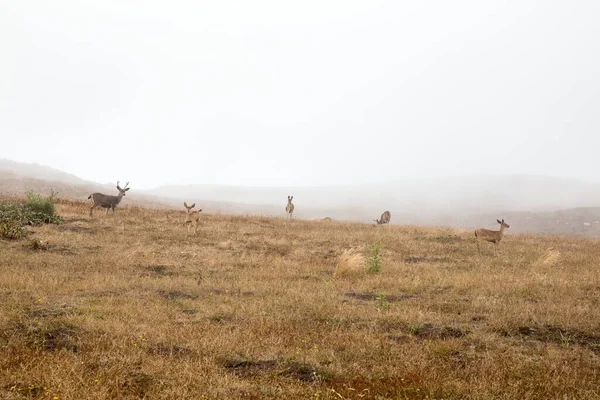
x,y
192,217
108,201
491,236
289,209
385,219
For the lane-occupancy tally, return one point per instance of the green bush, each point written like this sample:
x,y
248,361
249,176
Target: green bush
x,y
373,258
34,210
38,204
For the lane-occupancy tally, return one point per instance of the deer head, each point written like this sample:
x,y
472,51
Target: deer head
x,y
123,190
502,223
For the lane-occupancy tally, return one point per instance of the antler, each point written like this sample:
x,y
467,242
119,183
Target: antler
x,y
118,187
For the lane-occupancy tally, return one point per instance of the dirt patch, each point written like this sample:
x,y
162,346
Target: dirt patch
x,y
326,254
430,331
76,229
157,270
250,368
51,312
232,292
281,249
169,350
425,259
53,337
302,371
221,318
176,295
445,239
556,335
366,296
396,387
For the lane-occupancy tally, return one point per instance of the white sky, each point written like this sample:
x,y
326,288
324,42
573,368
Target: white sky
x,y
300,93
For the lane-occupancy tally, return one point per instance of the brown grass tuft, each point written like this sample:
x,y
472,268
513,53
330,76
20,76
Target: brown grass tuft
x,y
549,259
351,264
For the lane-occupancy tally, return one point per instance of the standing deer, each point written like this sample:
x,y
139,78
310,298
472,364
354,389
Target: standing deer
x,y
289,209
107,201
385,219
192,217
491,236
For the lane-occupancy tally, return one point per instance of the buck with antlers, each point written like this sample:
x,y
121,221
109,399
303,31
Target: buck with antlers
x,y
491,236
385,219
192,217
108,201
289,209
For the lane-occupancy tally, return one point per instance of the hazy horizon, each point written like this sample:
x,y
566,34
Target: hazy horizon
x,y
270,94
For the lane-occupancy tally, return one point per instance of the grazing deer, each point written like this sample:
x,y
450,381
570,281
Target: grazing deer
x,y
193,217
385,219
289,209
491,236
107,201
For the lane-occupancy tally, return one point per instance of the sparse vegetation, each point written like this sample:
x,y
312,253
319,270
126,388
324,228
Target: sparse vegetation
x,y
134,307
374,258
382,303
33,210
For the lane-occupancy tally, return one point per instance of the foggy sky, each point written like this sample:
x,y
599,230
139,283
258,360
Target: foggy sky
x,y
278,93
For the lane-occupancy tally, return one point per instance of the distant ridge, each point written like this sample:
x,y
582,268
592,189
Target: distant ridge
x,y
536,204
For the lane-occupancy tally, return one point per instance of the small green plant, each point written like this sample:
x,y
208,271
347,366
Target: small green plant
x,y
373,259
382,303
11,230
38,244
415,329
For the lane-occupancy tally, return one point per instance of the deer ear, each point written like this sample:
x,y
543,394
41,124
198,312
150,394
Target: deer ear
x,y
498,221
126,189
193,205
185,204
292,198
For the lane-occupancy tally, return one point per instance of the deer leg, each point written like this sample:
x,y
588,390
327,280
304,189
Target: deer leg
x,y
91,208
106,211
495,249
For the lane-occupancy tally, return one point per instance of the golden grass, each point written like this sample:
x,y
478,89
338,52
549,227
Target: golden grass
x,y
131,306
351,263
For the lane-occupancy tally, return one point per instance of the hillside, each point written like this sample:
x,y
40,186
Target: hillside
x,y
132,306
531,204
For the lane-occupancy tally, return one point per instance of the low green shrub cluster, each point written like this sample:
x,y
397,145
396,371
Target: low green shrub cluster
x,y
373,257
34,210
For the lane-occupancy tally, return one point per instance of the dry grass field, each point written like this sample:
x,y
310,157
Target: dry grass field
x,y
131,306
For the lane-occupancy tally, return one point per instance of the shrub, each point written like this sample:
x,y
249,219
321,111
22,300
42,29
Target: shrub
x,y
38,204
382,303
11,230
374,258
34,210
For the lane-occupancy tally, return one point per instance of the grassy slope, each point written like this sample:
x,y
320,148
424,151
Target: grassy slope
x,y
131,305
